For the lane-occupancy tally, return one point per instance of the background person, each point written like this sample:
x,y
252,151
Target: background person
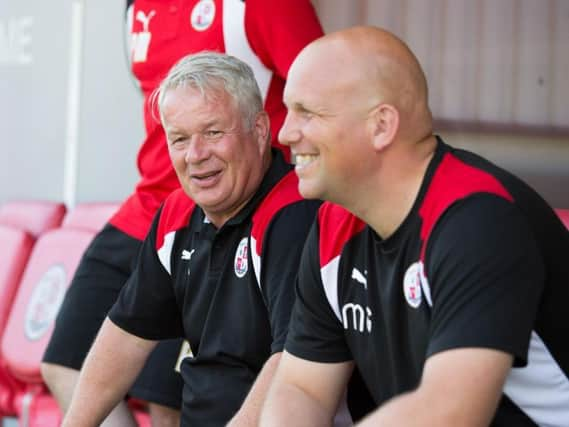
x,y
266,34
439,275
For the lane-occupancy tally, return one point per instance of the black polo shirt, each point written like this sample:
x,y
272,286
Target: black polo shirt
x,y
480,261
228,291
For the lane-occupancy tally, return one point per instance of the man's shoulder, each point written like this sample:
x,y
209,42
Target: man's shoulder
x,y
336,226
283,194
175,213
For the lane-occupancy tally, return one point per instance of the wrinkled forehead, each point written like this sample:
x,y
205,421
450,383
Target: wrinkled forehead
x,y
187,106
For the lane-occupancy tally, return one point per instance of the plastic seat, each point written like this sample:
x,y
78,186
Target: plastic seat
x,y
35,216
21,222
51,265
90,216
14,251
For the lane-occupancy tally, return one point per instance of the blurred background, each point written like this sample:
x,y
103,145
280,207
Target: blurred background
x,y
70,115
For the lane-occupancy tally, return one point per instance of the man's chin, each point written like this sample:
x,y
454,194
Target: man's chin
x,y
308,191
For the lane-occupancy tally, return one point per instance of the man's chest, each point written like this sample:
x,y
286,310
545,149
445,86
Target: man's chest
x,y
216,287
385,310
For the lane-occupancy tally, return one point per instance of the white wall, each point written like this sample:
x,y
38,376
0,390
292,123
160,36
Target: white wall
x,y
49,149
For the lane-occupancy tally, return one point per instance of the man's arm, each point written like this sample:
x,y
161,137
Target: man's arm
x,y
250,411
109,370
460,387
304,392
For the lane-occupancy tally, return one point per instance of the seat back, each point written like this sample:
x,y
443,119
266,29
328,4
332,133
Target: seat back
x,y
14,251
21,222
40,294
51,266
90,216
34,216
47,276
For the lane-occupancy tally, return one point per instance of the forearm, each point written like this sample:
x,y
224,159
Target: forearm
x,y
402,410
399,411
459,387
250,412
110,368
287,402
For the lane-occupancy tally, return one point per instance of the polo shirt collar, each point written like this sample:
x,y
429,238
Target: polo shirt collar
x,y
278,168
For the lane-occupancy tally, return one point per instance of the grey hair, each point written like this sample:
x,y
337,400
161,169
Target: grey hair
x,y
210,72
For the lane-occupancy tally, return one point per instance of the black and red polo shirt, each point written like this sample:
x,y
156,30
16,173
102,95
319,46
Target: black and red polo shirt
x,y
480,261
228,291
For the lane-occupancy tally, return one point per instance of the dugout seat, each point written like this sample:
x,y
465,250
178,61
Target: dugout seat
x,y
564,215
90,216
34,216
21,222
15,251
51,265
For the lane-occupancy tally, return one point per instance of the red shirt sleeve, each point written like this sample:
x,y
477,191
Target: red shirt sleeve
x,y
278,30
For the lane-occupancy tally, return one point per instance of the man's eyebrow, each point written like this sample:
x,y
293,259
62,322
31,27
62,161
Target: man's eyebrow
x,y
299,106
172,131
210,123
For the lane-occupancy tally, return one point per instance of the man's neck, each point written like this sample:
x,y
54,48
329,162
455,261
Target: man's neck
x,y
395,188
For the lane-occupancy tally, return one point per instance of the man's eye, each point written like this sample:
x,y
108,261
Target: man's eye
x,y
213,134
305,114
178,142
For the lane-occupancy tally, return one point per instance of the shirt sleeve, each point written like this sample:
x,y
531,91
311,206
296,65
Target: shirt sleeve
x,y
315,333
146,305
282,247
486,276
278,30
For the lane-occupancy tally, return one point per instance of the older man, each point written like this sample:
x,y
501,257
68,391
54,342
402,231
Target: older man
x,y
443,278
219,264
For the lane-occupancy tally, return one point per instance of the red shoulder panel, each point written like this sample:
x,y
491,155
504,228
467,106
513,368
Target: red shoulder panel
x,y
337,227
452,181
176,213
282,194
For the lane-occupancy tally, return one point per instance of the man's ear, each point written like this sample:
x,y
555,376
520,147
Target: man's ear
x,y
384,122
263,131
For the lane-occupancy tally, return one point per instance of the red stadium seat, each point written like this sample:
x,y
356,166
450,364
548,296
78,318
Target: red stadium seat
x,y
90,216
32,215
48,273
14,252
21,222
564,215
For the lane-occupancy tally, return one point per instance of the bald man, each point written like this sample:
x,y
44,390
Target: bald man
x,y
440,276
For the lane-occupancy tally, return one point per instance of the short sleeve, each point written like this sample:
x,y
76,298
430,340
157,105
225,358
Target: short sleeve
x,y
279,30
486,276
315,333
146,306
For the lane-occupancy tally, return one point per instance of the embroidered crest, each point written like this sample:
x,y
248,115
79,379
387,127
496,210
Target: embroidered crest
x,y
412,284
203,15
241,258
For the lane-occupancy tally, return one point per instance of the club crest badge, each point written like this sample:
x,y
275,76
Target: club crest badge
x,y
241,258
412,284
203,15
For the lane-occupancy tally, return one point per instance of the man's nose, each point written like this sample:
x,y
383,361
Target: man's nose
x,y
290,132
196,150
